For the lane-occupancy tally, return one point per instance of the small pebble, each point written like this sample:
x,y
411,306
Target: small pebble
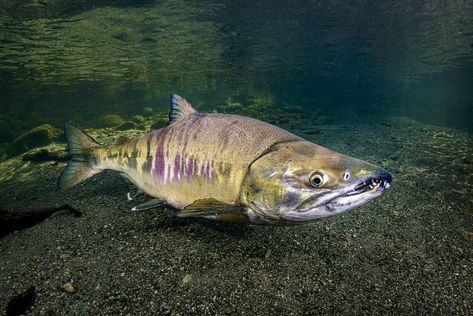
x,y
187,278
69,288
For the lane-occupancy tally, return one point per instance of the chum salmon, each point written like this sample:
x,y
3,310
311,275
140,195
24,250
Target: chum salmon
x,y
230,168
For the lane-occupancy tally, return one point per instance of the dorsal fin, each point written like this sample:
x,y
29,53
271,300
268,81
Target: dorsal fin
x,y
180,108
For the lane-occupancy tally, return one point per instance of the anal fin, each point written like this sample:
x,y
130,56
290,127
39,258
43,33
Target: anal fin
x,y
215,210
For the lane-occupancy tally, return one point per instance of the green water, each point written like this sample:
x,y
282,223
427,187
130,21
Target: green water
x,y
73,60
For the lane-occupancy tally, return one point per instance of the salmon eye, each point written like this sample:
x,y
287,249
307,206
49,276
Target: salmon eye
x,y
316,180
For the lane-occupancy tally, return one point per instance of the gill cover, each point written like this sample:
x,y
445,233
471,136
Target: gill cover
x,y
267,190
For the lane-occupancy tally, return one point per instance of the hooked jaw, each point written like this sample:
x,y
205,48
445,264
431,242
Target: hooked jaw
x,y
343,199
363,191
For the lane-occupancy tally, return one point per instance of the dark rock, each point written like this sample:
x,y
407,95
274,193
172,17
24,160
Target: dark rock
x,y
46,155
37,137
21,219
20,303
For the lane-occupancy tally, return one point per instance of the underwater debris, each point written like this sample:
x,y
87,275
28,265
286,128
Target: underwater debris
x,y
19,304
21,219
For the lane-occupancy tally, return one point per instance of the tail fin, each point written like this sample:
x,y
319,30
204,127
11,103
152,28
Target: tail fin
x,y
81,165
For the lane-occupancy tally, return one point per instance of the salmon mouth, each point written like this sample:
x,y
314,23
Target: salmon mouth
x,y
347,198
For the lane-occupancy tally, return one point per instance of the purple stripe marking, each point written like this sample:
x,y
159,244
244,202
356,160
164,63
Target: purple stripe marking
x,y
177,161
189,167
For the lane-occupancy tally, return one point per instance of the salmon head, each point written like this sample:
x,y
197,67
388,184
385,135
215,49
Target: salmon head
x,y
300,182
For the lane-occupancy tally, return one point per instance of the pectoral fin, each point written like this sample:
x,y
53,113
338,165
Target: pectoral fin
x,y
154,203
215,210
